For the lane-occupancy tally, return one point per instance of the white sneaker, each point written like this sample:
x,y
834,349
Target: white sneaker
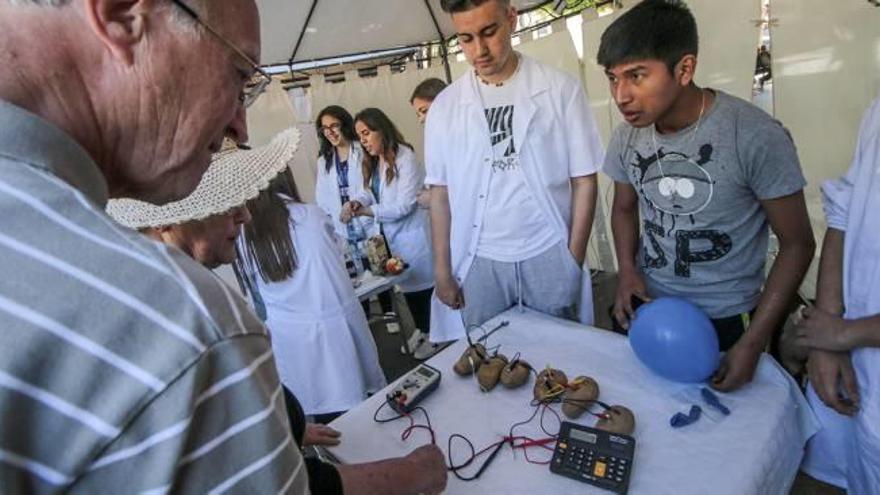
x,y
427,349
392,326
415,340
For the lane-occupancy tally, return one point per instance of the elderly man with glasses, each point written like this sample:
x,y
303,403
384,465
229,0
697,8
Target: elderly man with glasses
x,y
125,366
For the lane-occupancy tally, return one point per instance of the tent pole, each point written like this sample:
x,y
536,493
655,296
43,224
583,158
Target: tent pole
x,y
443,53
303,32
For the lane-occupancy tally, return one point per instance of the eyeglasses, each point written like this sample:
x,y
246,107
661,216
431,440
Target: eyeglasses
x,y
260,79
332,127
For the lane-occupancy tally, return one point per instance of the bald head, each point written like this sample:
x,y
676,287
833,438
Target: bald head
x,y
148,100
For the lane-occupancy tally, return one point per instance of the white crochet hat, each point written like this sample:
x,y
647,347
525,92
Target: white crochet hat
x,y
234,177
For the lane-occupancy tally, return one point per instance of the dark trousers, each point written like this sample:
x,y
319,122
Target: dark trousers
x,y
420,307
384,303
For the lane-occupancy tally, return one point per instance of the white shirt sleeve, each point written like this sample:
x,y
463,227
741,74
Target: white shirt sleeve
x,y
837,194
364,197
584,144
400,201
323,188
435,161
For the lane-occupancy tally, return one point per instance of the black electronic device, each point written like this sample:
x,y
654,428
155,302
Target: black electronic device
x,y
594,456
414,387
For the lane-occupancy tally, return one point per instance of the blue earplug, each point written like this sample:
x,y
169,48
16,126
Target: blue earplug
x,y
681,419
713,401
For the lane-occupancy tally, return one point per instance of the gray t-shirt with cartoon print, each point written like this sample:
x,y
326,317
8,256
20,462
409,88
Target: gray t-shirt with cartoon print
x,y
704,231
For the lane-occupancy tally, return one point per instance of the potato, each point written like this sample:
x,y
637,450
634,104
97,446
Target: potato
x,y
471,360
579,396
548,382
620,420
490,372
515,374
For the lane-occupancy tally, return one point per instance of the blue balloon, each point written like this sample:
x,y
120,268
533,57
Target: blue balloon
x,y
675,339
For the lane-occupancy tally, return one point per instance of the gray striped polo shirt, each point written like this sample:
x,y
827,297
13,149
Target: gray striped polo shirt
x,y
125,367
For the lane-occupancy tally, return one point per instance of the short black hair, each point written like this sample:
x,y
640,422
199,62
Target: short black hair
x,y
652,30
428,89
455,6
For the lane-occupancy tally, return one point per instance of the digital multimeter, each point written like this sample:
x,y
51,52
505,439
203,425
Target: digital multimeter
x,y
596,457
414,387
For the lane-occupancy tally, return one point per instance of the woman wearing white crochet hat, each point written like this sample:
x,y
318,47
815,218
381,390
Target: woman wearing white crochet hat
x,y
205,226
206,223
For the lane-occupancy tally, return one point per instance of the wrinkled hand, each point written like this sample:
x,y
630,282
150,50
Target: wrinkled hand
x,y
320,435
830,374
630,284
428,468
819,329
737,366
449,292
423,198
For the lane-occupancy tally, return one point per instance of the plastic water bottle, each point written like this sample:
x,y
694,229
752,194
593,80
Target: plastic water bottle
x,y
350,266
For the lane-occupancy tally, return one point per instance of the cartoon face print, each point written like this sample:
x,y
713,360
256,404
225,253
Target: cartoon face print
x,y
677,185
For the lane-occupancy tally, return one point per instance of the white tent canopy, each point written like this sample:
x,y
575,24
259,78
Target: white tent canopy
x,y
345,27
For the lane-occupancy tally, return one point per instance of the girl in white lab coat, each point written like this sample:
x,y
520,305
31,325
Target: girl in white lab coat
x,y
392,179
340,175
323,347
340,178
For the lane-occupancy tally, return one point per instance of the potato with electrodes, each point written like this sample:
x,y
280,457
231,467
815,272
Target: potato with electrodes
x,y
549,383
618,419
471,360
490,372
515,374
579,396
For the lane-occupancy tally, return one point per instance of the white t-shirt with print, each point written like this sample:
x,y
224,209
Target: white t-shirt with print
x,y
514,228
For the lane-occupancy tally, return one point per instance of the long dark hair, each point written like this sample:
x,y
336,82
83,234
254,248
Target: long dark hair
x,y
392,140
268,241
347,131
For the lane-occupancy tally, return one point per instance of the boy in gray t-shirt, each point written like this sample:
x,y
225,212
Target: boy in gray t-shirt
x,y
702,174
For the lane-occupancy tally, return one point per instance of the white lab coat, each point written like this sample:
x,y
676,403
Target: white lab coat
x,y
405,225
846,452
323,347
327,190
557,139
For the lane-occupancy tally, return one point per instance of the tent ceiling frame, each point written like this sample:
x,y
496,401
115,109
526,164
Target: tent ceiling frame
x,y
302,33
443,50
443,42
314,6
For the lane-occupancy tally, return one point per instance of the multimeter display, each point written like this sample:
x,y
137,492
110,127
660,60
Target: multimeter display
x,y
594,456
425,372
412,388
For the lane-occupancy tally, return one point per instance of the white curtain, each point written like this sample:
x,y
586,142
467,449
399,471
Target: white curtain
x,y
555,49
272,113
386,91
826,71
607,118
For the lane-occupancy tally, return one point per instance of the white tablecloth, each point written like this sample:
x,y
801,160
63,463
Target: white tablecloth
x,y
757,449
368,285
